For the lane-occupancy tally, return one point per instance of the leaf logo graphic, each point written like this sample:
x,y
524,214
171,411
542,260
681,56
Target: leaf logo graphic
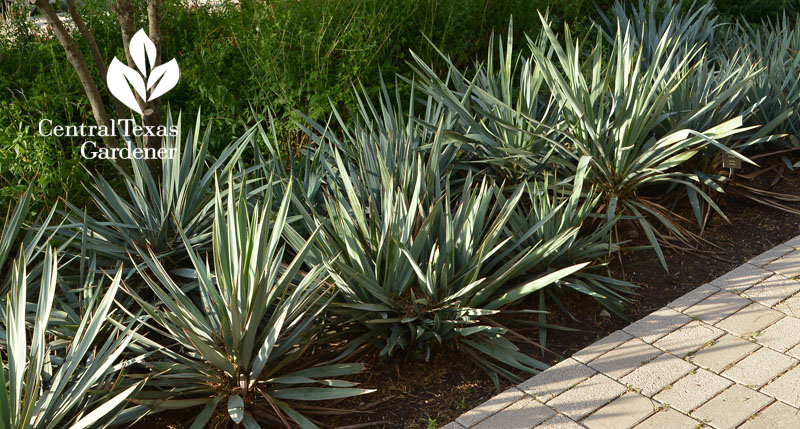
x,y
121,78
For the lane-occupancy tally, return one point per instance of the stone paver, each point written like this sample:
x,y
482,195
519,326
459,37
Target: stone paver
x,y
790,307
693,297
601,346
788,265
741,278
657,324
773,290
545,385
781,336
723,352
795,242
624,358
717,307
731,407
490,407
750,319
725,355
559,421
771,255
689,338
759,368
693,390
786,387
522,414
668,419
587,396
622,413
657,374
777,415
794,352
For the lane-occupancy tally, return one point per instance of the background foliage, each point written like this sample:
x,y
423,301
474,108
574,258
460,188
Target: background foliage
x,y
268,55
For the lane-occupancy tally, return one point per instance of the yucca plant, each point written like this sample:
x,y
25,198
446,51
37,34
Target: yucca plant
x,y
240,348
615,113
55,381
710,74
305,165
709,81
694,29
506,119
559,221
158,203
13,226
397,132
754,79
417,262
765,102
775,46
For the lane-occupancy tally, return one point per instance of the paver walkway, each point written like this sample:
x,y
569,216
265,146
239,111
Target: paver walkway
x,y
725,355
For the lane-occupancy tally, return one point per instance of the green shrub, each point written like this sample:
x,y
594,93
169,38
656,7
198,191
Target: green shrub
x,y
279,55
755,11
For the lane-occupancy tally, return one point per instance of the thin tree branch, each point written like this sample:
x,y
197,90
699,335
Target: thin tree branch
x,y
99,61
124,10
78,63
153,114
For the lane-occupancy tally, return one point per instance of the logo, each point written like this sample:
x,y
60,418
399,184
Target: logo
x,y
148,86
149,82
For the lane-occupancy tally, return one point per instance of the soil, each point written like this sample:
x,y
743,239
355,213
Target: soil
x,y
414,394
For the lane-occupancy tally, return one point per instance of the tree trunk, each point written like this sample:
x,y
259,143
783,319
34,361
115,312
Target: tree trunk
x,y
124,10
78,62
153,116
99,61
125,15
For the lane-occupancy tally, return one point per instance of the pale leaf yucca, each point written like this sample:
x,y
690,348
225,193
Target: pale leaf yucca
x,y
775,46
158,203
505,120
615,111
417,262
13,226
752,79
240,345
397,132
74,385
558,221
694,30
